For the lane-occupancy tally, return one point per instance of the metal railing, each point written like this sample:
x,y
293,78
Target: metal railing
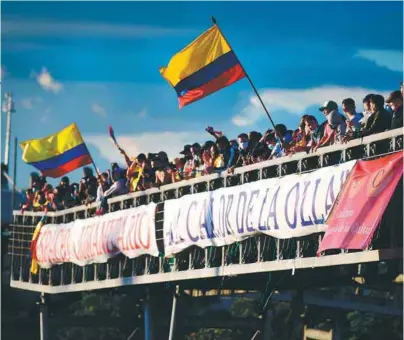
x,y
254,255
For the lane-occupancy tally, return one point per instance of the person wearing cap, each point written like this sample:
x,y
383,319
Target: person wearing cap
x,y
379,121
395,101
335,127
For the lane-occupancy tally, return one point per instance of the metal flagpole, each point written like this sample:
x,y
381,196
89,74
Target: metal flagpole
x,y
8,108
246,74
14,173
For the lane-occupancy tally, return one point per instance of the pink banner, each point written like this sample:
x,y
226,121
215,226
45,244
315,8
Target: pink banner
x,y
362,202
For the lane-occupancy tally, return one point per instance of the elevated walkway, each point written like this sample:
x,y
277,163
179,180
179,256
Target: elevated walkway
x,y
251,259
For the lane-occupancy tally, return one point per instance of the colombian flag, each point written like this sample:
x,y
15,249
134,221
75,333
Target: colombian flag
x,y
57,154
205,66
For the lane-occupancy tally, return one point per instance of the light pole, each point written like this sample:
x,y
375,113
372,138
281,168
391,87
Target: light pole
x,y
8,108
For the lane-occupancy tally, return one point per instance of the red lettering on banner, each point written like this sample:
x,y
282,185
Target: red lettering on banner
x,y
41,245
132,233
146,227
87,245
83,241
121,234
65,245
51,246
99,238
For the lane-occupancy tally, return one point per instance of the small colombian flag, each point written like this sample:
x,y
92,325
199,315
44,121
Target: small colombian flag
x,y
57,154
34,259
203,67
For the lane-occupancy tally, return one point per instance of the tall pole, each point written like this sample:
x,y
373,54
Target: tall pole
x,y
8,108
43,317
148,334
246,74
14,174
173,311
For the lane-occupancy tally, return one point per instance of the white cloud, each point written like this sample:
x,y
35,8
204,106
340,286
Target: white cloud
x,y
296,101
99,110
47,82
390,59
170,142
30,102
35,27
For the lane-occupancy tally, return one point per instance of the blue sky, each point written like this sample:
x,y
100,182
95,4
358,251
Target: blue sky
x,y
97,64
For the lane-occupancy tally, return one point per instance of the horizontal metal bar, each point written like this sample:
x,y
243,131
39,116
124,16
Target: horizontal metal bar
x,y
208,272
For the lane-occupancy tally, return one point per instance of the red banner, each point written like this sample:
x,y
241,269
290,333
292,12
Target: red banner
x,y
362,202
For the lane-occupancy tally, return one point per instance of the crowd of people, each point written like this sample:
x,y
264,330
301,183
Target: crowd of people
x,y
221,154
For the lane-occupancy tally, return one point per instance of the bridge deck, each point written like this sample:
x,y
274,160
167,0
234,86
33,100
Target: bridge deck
x,y
255,255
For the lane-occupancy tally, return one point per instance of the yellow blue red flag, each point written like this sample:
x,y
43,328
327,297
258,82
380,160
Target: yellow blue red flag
x,y
205,66
57,154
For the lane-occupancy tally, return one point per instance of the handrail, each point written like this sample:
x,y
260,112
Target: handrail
x,y
238,171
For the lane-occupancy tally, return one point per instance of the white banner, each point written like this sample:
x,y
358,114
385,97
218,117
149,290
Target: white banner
x,y
131,232
287,207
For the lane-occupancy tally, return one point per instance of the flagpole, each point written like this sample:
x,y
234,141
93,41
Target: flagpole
x,y
14,173
245,72
92,160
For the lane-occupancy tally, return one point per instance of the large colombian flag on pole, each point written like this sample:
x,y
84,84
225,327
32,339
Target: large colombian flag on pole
x,y
57,154
205,66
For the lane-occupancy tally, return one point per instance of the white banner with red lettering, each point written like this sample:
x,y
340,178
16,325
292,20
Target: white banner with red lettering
x,y
286,207
131,232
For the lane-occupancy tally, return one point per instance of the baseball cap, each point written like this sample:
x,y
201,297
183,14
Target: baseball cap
x,y
394,95
330,105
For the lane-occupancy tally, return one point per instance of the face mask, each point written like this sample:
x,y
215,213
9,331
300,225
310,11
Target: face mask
x,y
243,145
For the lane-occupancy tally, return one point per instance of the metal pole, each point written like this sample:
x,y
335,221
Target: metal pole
x,y
173,310
245,72
14,174
8,108
147,317
43,317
